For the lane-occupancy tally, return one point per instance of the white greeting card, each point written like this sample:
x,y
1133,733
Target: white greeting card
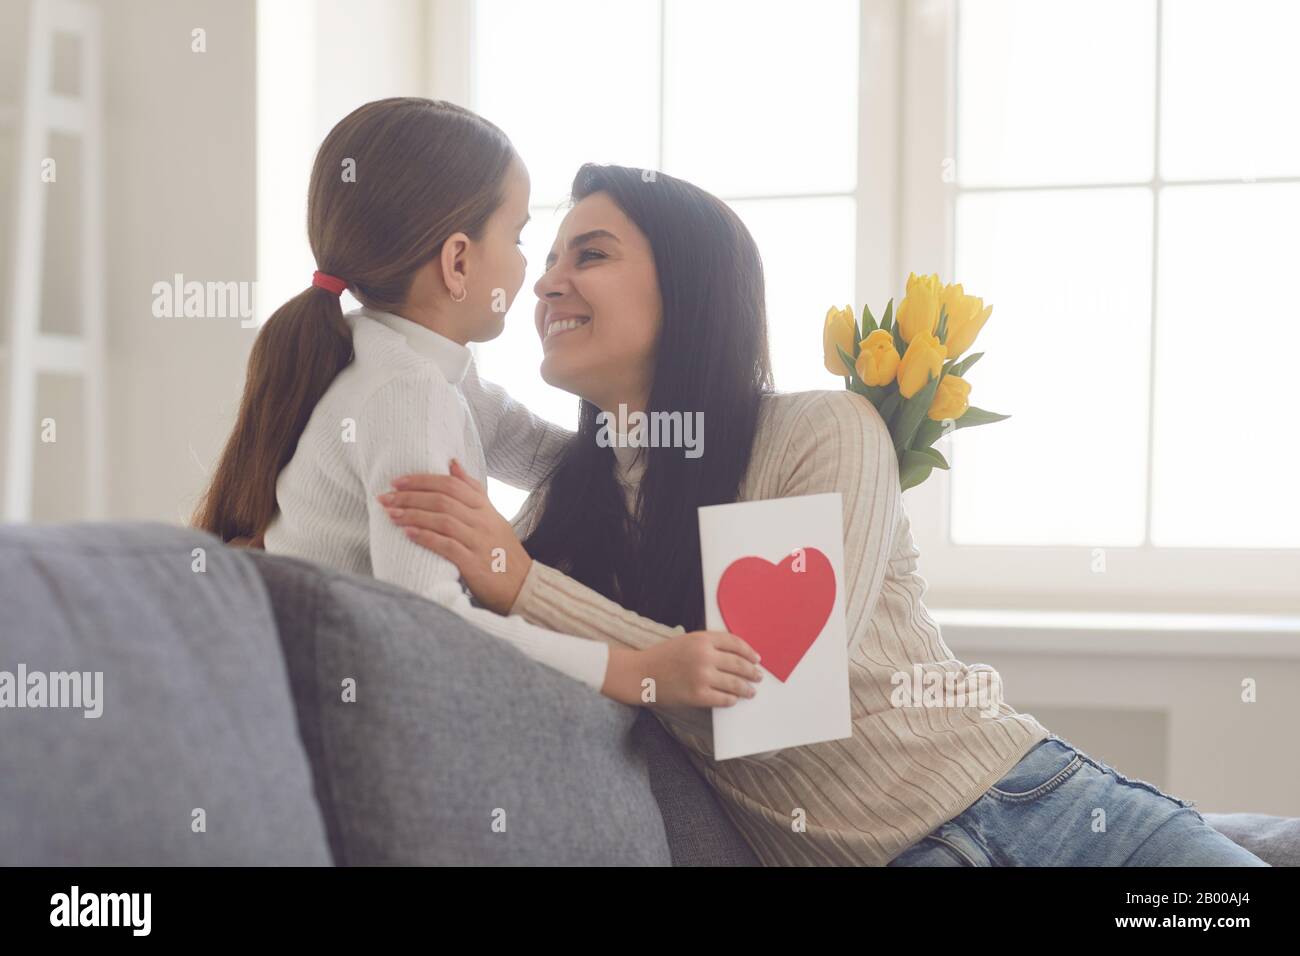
x,y
773,575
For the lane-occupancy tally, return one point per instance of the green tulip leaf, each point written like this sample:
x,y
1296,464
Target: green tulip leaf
x,y
890,404
868,321
978,416
928,433
962,365
932,455
849,363
912,474
913,411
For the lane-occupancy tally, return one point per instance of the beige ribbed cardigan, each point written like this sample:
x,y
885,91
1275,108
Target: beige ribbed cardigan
x,y
906,769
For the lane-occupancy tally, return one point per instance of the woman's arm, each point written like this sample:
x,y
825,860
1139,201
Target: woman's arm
x,y
414,421
452,516
520,447
839,443
819,442
832,442
823,442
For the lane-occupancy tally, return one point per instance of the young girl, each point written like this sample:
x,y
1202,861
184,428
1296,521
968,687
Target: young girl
x,y
416,206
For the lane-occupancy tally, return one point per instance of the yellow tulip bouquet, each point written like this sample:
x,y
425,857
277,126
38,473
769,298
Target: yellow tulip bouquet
x,y
910,367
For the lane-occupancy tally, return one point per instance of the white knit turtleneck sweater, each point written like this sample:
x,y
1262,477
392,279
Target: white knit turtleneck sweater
x,y
410,401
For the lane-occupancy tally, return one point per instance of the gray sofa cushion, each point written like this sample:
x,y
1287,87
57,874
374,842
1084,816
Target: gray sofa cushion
x,y
452,730
196,706
699,831
1275,840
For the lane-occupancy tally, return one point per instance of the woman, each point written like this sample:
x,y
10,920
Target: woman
x,y
425,232
653,299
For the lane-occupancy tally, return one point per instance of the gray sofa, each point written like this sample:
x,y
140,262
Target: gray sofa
x,y
258,710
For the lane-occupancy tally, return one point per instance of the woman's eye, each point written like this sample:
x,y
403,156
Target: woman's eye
x,y
589,254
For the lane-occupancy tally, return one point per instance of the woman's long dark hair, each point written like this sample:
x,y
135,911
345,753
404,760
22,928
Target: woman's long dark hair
x,y
712,358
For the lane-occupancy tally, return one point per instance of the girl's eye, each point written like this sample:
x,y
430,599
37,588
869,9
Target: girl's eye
x,y
588,254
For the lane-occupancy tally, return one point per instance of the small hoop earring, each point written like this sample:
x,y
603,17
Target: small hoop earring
x,y
463,293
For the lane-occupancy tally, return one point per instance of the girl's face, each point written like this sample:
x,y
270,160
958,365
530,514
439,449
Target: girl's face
x,y
496,271
599,309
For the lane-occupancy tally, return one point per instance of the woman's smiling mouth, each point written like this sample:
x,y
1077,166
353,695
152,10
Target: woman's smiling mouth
x,y
560,322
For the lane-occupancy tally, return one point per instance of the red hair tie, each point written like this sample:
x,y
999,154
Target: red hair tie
x,y
328,282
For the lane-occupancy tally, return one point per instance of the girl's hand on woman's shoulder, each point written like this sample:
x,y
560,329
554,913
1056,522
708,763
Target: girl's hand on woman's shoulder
x,y
452,517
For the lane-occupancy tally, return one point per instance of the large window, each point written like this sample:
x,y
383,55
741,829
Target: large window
x,y
755,101
1119,178
1127,193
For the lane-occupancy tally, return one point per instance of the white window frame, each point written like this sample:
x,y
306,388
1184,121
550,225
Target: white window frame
x,y
451,40
905,215
1142,578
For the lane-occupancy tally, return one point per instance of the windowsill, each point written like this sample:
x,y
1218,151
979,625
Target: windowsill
x,y
1138,634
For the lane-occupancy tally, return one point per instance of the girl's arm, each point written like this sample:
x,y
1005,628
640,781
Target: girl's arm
x,y
416,421
521,448
452,515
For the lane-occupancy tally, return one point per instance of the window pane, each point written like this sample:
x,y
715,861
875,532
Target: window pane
x,y
1068,275
807,247
1055,92
1226,448
513,358
760,98
1229,89
570,81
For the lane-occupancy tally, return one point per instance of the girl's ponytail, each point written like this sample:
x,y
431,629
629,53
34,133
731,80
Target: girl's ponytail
x,y
390,183
297,354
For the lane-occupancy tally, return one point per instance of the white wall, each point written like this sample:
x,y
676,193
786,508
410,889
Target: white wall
x,y
181,198
184,174
1163,704
318,60
179,177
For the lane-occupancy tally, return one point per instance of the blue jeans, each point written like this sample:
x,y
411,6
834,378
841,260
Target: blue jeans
x,y
1060,807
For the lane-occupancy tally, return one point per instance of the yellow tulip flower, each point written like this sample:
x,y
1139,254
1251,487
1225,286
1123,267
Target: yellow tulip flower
x,y
919,310
922,361
966,316
839,330
878,361
951,399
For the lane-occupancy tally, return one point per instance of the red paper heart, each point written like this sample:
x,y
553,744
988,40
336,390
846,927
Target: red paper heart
x,y
777,609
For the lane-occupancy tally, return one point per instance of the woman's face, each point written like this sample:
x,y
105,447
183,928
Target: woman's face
x,y
599,308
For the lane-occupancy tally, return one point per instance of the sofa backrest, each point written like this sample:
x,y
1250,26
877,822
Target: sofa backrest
x,y
432,742
226,738
194,757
